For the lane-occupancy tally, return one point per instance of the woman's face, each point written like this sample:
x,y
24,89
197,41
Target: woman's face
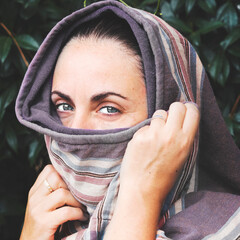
x,y
97,84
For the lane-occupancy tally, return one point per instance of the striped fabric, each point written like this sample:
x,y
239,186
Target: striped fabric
x,y
230,230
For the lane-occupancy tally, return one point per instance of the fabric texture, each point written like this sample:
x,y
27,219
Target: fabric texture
x,y
205,196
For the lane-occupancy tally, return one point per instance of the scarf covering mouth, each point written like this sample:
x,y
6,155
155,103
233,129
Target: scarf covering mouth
x,y
89,161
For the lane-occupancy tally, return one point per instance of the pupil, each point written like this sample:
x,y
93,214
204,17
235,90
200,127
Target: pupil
x,y
66,107
111,109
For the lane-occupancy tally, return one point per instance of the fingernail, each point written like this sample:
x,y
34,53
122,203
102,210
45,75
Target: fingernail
x,y
192,103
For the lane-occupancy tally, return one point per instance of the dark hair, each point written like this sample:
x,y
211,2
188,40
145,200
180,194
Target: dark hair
x,y
110,26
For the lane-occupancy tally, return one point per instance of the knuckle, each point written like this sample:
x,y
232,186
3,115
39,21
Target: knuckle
x,y
177,105
144,139
62,193
67,211
137,138
140,134
48,168
195,114
160,112
192,105
55,179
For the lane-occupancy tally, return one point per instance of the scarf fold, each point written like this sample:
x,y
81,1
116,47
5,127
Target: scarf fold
x,y
89,161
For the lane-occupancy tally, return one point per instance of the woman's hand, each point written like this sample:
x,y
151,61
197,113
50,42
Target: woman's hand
x,y
49,206
151,164
157,153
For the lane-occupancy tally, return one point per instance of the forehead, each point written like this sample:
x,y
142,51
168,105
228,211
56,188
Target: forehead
x,y
97,62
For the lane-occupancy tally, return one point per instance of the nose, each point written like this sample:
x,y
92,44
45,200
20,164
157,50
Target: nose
x,y
81,121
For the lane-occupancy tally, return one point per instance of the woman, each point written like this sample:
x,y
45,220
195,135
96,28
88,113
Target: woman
x,y
90,91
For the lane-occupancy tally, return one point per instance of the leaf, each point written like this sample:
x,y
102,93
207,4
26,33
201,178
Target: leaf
x,y
214,67
54,11
6,99
195,39
237,117
27,42
225,72
34,149
227,14
11,138
21,1
209,27
234,50
236,63
176,4
5,46
220,68
146,2
19,64
231,38
178,24
208,6
167,10
29,9
229,124
189,4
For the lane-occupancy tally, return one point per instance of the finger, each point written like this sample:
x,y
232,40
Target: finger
x,y
43,175
159,118
176,115
55,182
191,121
140,132
59,198
66,213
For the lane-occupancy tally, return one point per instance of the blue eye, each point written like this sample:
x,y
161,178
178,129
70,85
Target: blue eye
x,y
109,110
64,107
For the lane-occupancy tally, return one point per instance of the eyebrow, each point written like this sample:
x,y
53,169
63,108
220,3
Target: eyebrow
x,y
101,96
94,98
62,95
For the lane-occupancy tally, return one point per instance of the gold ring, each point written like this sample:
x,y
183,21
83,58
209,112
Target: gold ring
x,y
48,186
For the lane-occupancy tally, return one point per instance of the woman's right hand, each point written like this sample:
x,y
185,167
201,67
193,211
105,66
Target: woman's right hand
x,y
151,164
47,210
156,154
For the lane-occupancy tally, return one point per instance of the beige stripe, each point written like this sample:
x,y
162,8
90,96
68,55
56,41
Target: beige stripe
x,y
74,160
229,226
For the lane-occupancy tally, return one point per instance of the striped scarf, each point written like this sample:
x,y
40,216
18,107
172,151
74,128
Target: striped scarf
x,y
90,161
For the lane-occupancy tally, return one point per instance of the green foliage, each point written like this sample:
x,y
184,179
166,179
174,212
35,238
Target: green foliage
x,y
211,26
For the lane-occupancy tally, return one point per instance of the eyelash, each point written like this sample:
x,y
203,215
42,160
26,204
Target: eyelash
x,y
116,111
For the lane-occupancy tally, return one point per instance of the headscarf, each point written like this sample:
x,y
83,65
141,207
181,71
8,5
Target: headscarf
x,y
89,161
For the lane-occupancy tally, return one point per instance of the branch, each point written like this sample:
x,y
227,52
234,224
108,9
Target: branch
x,y
16,43
234,108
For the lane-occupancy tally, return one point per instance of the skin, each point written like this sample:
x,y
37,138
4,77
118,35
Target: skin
x,y
112,94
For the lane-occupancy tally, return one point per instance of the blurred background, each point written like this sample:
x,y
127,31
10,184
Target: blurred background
x,y
212,26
